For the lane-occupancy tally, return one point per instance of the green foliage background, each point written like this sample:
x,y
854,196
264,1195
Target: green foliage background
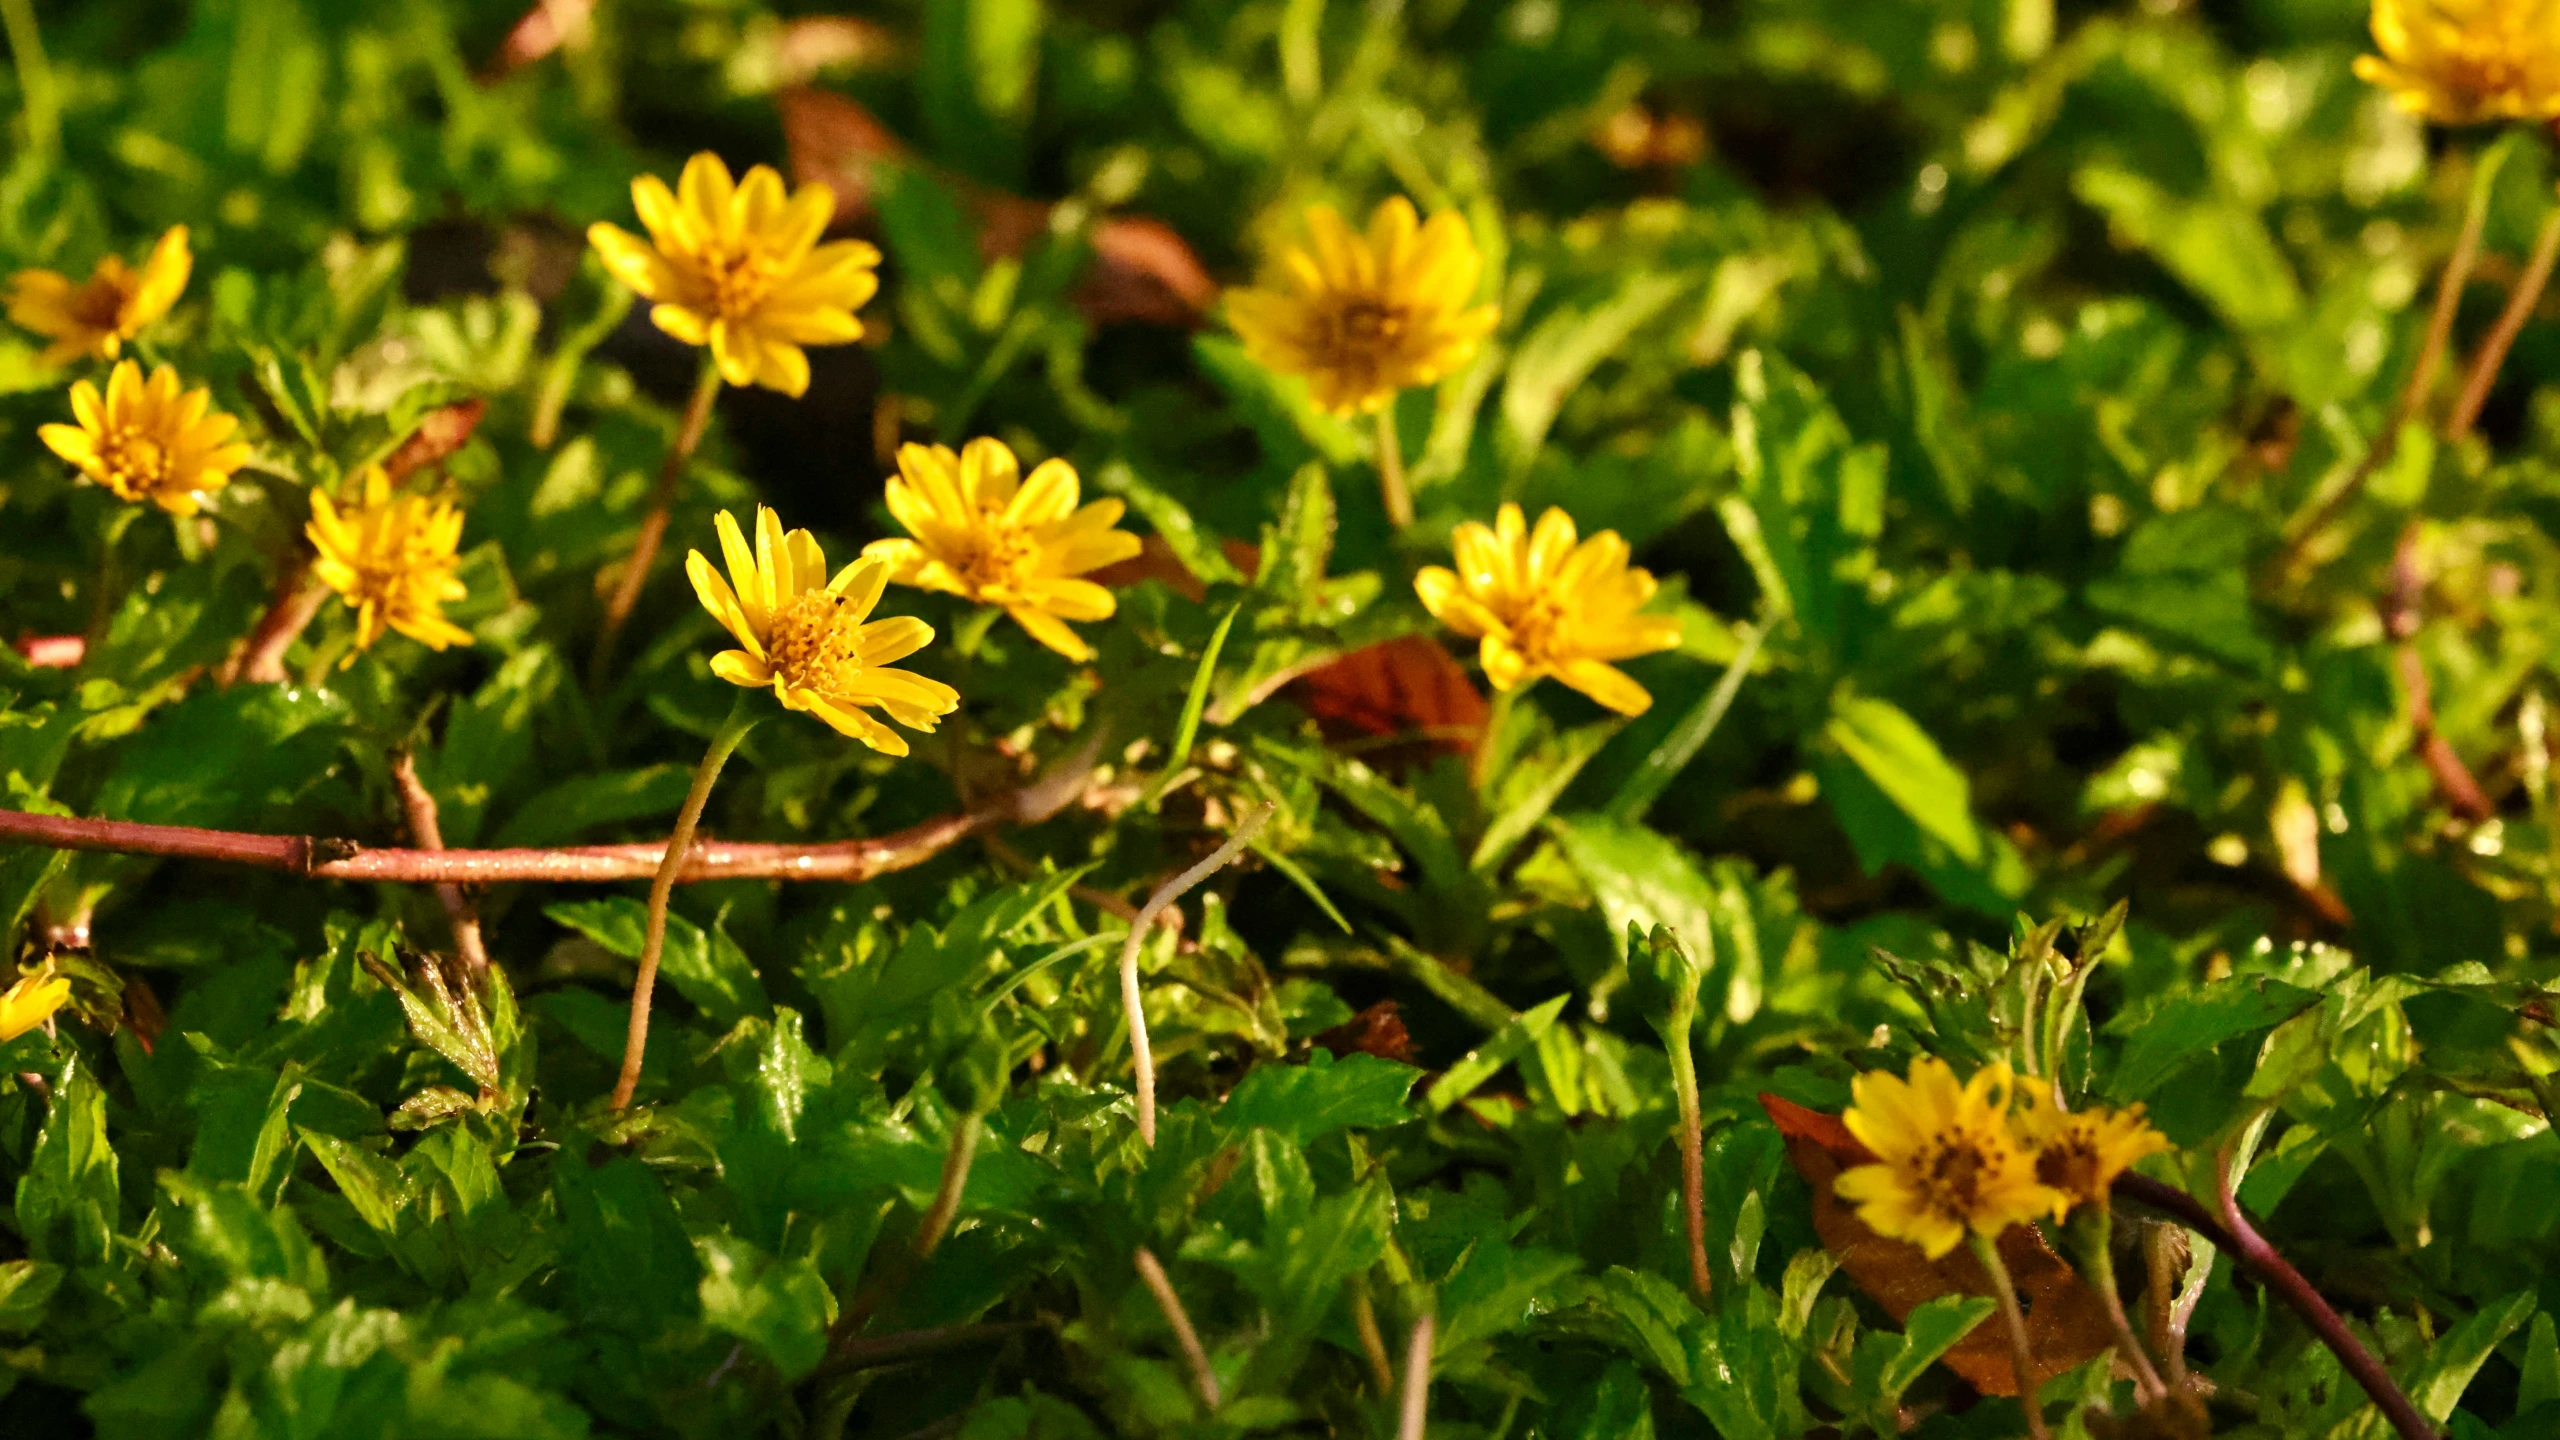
x,y
1989,396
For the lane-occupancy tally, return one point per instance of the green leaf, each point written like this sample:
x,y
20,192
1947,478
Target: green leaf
x,y
779,1306
1908,766
2186,1026
67,1199
630,1264
1308,1102
575,806
1486,1060
707,968
1564,348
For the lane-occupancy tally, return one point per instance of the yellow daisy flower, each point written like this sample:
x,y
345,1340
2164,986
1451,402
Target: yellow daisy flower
x,y
1543,604
96,316
804,634
2079,1153
150,439
983,532
1362,317
31,1002
738,267
391,556
1946,1159
2461,62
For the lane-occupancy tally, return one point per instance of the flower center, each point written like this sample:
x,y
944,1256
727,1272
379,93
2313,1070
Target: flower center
x,y
2070,1165
997,552
135,460
1534,626
739,278
1953,1175
100,303
813,643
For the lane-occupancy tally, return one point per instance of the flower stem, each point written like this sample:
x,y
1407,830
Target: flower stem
x,y
1160,1285
1141,1057
1391,484
2520,305
2021,1354
1373,1341
955,1178
2093,1227
653,525
742,718
1497,718
1417,1378
1693,1162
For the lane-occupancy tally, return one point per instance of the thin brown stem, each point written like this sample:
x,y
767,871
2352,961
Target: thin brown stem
x,y
653,525
955,1179
1373,1341
1391,483
2400,620
1142,1057
2511,322
1416,1411
1693,1161
2161,1242
298,597
875,1351
644,985
2278,1275
2014,1319
420,804
1151,1271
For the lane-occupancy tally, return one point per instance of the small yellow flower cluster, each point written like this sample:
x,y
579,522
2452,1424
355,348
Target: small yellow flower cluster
x,y
1544,602
1363,317
1979,1155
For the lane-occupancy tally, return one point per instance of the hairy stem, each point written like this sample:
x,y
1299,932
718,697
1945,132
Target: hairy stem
x,y
2094,1228
2511,322
420,804
742,718
2021,1352
1141,1056
1391,486
1151,1271
653,525
1373,1341
1693,1161
955,1178
1417,1378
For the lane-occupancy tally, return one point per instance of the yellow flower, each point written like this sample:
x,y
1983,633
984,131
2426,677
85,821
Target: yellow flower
x,y
96,316
2461,62
2079,1153
1544,605
803,634
149,439
738,267
983,532
1364,317
31,1002
392,557
1946,1159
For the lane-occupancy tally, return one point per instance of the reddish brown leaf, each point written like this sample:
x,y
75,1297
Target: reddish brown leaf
x,y
442,431
1378,1030
1407,687
2066,1322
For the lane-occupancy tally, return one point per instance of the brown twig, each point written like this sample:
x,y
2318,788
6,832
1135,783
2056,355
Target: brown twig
x,y
1160,1285
2511,322
420,804
297,600
653,525
1142,1058
2401,618
875,1351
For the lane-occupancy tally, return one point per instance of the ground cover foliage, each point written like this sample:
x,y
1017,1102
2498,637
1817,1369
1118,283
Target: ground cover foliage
x,y
2007,394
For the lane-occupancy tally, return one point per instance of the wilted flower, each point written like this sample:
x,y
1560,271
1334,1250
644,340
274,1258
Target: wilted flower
x,y
804,634
738,267
2461,62
94,317
2079,1153
983,532
1946,1158
392,557
1362,317
1543,604
150,439
31,1002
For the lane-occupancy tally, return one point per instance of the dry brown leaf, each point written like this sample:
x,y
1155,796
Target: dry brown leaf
x,y
2067,1324
1405,687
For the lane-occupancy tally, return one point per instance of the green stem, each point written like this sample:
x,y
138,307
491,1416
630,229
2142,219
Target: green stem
x,y
1693,1161
2093,1228
2021,1354
742,718
35,76
1497,718
653,525
1391,486
955,1178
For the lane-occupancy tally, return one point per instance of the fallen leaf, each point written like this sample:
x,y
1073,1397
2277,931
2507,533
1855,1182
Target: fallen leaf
x,y
1378,1030
2066,1322
1409,687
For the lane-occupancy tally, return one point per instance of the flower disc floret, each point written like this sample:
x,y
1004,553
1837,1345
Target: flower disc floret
x,y
2463,62
1547,603
737,266
810,639
1364,317
94,317
2079,1153
391,557
1947,1161
150,439
981,531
